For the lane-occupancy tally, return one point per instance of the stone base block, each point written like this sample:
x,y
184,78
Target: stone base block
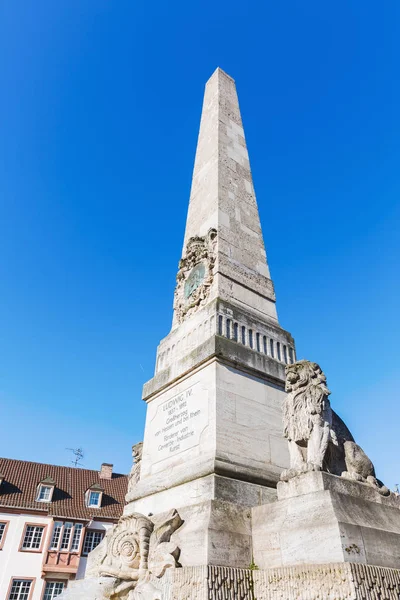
x,y
214,532
210,487
320,518
343,581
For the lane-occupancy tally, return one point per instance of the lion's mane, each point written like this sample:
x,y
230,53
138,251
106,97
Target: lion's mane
x,y
307,395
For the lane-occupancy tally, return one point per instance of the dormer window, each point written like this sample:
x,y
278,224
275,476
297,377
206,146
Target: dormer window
x,y
45,490
93,496
45,493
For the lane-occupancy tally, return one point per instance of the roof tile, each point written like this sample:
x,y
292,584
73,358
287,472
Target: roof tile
x,y
21,479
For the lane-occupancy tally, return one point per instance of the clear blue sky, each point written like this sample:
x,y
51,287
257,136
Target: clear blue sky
x,y
99,111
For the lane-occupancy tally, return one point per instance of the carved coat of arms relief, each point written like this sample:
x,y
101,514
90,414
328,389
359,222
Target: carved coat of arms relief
x,y
195,274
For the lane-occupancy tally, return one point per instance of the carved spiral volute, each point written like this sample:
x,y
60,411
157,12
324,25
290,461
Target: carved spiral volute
x,y
126,547
130,542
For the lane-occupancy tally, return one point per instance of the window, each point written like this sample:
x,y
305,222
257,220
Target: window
x,y
243,335
3,531
258,342
291,355
278,350
76,538
33,537
285,354
53,589
55,539
265,344
20,589
45,493
92,540
94,499
66,536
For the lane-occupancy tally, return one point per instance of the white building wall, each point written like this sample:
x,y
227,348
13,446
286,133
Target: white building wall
x,y
15,564
27,564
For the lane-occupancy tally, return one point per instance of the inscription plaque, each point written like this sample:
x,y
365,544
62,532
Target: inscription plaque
x,y
179,422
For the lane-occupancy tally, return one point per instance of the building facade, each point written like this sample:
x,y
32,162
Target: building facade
x,y
51,517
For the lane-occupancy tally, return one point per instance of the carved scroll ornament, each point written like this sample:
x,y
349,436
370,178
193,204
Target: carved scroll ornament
x,y
138,548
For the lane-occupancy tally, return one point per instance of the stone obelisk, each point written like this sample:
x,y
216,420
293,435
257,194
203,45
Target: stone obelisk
x,y
214,422
205,517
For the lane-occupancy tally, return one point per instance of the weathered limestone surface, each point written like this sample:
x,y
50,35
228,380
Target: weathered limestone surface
x,y
321,518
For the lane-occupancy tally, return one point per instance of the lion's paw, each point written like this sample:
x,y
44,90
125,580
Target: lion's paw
x,y
289,474
382,489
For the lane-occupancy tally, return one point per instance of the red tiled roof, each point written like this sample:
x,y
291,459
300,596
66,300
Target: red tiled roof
x,y
21,479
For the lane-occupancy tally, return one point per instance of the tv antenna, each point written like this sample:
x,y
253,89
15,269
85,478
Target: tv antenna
x,y
78,453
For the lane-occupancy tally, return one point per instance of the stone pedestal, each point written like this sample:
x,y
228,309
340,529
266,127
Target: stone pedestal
x,y
214,433
325,538
320,518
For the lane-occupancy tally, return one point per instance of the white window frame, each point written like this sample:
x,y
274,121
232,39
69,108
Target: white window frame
x,y
44,486
34,527
88,497
3,532
74,539
91,532
21,580
48,582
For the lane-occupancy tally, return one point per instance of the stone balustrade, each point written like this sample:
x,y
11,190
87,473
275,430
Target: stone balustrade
x,y
256,338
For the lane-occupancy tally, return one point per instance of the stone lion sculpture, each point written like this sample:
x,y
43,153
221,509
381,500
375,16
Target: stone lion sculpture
x,y
318,438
